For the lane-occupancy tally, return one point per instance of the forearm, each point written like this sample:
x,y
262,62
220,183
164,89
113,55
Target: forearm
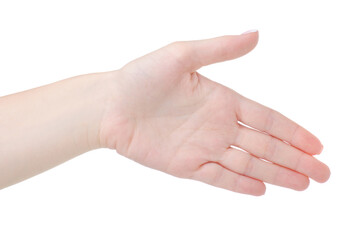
x,y
45,126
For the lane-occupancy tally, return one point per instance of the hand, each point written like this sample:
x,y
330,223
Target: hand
x,y
165,115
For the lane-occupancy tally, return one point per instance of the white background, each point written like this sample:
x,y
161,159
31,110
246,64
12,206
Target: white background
x,y
307,65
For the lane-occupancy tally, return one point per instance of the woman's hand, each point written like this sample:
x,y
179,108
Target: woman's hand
x,y
164,115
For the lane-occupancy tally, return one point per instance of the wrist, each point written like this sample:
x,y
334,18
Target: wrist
x,y
117,124
95,95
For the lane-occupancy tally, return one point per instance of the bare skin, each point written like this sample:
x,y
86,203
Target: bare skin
x,y
158,111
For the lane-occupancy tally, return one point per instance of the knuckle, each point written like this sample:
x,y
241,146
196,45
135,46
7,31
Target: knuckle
x,y
298,161
178,49
248,167
217,178
268,126
238,185
177,44
270,148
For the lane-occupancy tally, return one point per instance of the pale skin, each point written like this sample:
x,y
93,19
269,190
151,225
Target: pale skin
x,y
160,112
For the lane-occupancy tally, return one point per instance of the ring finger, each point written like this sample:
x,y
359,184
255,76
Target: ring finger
x,y
248,165
272,149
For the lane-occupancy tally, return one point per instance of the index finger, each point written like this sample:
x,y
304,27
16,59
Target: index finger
x,y
277,125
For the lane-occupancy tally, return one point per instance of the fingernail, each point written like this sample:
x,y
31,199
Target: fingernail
x,y
250,31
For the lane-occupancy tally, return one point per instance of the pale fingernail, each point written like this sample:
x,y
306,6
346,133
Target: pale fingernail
x,y
250,31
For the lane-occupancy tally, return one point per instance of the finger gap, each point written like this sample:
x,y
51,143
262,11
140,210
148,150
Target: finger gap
x,y
284,141
243,150
255,129
238,148
267,161
244,125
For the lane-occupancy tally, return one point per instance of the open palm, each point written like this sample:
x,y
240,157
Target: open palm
x,y
165,115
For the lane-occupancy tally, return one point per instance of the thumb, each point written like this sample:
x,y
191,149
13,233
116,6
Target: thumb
x,y
195,54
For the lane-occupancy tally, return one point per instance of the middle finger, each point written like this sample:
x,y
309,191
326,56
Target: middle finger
x,y
272,149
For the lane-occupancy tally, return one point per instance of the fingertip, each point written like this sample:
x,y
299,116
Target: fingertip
x,y
303,184
261,193
253,38
316,146
320,149
291,179
250,186
313,145
258,190
307,142
324,174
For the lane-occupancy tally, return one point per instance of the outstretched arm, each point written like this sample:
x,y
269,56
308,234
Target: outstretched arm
x,y
43,127
160,112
